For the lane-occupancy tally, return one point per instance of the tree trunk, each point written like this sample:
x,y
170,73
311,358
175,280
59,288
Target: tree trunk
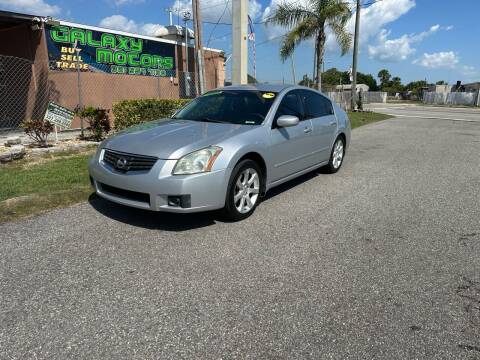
x,y
320,46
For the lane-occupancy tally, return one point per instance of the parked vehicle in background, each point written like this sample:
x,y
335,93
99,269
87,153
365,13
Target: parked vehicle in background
x,y
223,150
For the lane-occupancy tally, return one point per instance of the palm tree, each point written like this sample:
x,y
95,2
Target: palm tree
x,y
310,21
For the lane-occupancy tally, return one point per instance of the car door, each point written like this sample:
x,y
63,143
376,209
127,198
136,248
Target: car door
x,y
319,110
291,147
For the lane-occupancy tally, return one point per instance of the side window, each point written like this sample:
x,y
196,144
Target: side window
x,y
290,105
316,105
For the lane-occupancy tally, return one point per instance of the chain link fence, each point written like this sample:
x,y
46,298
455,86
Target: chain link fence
x,y
27,87
21,97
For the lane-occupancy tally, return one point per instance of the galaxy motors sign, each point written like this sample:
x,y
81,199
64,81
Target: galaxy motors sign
x,y
72,48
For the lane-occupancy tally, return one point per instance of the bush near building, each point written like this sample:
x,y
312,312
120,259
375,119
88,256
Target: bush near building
x,y
99,123
132,112
38,130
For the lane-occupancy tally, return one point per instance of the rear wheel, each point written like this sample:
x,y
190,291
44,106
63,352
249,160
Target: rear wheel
x,y
336,156
243,194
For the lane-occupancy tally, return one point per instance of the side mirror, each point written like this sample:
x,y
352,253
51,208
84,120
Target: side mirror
x,y
287,121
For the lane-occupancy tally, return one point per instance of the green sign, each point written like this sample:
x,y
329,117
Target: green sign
x,y
58,115
71,48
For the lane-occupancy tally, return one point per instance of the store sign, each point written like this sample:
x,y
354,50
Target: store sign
x,y
58,115
71,48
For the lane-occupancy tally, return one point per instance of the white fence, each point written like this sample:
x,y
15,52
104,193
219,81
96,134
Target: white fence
x,y
343,98
453,98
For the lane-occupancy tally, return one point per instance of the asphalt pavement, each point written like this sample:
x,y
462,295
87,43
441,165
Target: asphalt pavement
x,y
379,261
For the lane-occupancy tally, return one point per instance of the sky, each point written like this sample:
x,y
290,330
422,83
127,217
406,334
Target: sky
x,y
413,39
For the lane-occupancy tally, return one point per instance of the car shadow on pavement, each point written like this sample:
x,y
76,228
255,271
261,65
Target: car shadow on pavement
x,y
292,183
151,219
179,222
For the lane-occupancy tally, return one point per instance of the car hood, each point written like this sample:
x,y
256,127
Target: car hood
x,y
171,139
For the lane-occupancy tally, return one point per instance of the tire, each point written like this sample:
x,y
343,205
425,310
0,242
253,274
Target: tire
x,y
245,182
336,156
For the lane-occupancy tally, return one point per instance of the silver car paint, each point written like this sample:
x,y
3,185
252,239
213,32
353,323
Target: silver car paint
x,y
287,153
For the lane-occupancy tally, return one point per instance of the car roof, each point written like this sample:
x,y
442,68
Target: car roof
x,y
259,87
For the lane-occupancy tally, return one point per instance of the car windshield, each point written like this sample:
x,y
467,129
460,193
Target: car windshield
x,y
243,107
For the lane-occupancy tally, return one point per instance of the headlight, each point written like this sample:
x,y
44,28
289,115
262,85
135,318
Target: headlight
x,y
197,161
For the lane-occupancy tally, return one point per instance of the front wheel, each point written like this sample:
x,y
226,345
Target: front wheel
x,y
336,156
243,194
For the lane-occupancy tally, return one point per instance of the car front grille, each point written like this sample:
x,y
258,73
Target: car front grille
x,y
125,194
128,162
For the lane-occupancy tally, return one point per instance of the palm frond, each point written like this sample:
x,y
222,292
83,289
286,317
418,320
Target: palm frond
x,y
305,30
288,15
344,38
335,9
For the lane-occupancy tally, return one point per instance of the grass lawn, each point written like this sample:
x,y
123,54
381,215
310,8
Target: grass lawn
x,y
35,185
362,118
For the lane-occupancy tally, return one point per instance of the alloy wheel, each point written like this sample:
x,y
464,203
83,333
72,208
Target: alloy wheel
x,y
337,154
247,189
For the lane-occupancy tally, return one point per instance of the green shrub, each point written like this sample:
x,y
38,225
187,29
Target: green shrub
x,y
38,130
98,121
132,112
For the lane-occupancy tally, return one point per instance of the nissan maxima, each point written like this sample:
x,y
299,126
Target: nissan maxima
x,y
223,150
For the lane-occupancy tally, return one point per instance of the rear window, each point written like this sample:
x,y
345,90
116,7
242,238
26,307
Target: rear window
x,y
316,105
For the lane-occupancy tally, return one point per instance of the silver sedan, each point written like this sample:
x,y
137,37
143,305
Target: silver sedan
x,y
224,150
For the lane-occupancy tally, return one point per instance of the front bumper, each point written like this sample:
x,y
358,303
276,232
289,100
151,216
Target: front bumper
x,y
153,189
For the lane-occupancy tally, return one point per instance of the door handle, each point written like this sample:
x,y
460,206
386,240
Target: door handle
x,y
307,130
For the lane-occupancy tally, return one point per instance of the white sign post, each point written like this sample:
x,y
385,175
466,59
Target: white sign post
x,y
59,116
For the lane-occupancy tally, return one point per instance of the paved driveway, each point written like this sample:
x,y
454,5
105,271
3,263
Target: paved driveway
x,y
468,114
378,261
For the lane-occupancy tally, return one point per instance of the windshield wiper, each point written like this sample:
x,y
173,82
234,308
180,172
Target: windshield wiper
x,y
211,120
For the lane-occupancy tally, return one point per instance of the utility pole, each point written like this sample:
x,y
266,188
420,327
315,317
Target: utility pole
x,y
239,42
186,18
197,28
170,15
355,56
79,88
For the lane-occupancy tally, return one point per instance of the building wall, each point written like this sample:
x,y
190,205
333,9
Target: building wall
x,y
102,89
29,84
24,74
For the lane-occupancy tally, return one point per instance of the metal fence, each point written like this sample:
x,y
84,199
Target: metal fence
x,y
27,87
452,98
20,95
344,98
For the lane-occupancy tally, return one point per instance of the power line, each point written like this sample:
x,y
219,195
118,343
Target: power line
x,y
229,24
220,18
272,39
212,6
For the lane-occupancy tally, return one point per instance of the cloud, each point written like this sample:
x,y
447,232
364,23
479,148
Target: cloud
x,y
275,31
394,50
372,19
467,70
439,60
216,10
120,22
126,2
34,7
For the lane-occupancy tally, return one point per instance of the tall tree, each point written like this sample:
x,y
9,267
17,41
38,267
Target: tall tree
x,y
367,79
334,77
384,77
416,87
306,81
310,21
